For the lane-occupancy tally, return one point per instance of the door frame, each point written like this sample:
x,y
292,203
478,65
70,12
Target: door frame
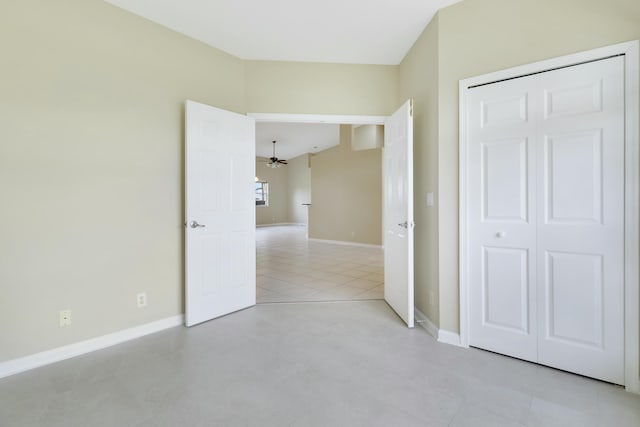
x,y
336,119
333,119
631,50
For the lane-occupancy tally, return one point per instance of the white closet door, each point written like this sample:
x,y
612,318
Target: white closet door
x,y
581,219
502,219
546,218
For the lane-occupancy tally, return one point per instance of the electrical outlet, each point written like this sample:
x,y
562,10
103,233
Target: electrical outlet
x,y
141,299
65,318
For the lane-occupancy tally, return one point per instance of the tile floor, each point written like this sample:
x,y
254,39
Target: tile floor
x,y
291,268
348,363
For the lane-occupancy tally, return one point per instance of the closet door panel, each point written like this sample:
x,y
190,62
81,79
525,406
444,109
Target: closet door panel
x,y
580,232
502,220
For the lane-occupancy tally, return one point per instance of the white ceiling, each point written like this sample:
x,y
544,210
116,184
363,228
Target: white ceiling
x,y
341,31
338,31
295,139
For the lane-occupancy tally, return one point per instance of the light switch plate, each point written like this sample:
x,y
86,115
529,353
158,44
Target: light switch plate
x,y
429,199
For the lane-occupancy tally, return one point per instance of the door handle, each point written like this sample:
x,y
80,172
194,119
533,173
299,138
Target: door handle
x,y
404,224
194,224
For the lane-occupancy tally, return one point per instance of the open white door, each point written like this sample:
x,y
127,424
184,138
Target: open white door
x,y
220,212
398,212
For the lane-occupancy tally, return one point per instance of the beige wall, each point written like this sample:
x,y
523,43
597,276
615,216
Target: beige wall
x,y
91,175
313,88
276,212
91,158
91,146
419,79
471,38
346,187
298,189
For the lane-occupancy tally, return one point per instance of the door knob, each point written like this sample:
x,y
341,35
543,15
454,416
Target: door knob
x,y
500,234
194,224
404,224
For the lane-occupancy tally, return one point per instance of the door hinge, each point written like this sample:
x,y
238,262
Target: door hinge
x,y
410,107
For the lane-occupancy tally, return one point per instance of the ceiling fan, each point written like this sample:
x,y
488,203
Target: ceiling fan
x,y
274,162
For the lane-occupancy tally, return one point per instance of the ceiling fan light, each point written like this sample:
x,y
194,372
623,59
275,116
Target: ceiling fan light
x,y
274,162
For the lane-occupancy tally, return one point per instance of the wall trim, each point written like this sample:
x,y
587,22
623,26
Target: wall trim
x,y
423,321
318,118
277,224
631,50
344,242
442,336
451,338
22,364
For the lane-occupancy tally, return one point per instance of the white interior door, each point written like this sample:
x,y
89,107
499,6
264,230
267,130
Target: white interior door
x,y
398,212
546,218
220,212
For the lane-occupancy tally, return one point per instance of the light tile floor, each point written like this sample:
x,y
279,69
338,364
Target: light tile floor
x,y
291,268
310,364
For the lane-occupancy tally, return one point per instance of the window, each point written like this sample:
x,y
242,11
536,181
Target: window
x,y
262,193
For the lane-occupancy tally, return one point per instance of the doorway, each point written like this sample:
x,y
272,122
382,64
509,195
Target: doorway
x,y
397,181
213,271
343,258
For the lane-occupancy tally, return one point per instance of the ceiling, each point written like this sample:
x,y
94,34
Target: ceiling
x,y
295,139
339,31
334,31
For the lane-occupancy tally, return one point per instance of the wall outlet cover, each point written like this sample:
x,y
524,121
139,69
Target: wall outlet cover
x,y
65,318
141,299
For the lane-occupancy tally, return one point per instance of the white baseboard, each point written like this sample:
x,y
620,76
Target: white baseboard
x,y
277,224
21,364
634,387
423,321
452,338
441,335
447,337
344,242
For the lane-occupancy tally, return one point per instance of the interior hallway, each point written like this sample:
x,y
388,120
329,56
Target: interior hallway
x,y
291,268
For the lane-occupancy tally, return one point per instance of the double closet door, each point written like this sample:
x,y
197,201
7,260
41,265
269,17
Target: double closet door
x,y
546,218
